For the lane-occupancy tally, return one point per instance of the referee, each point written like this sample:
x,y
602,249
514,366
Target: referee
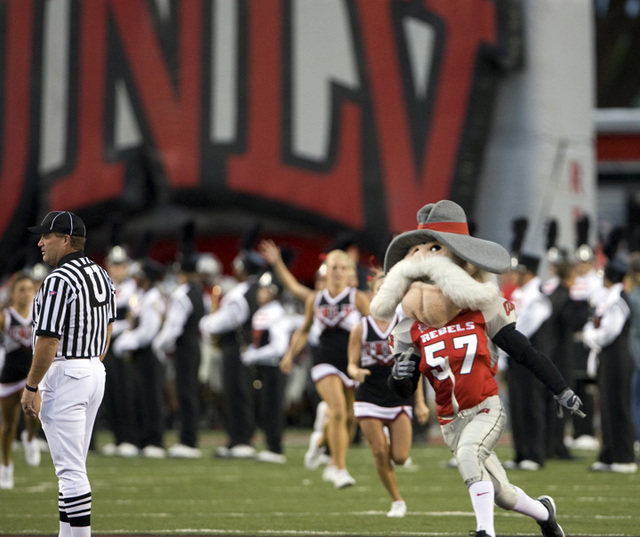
x,y
73,314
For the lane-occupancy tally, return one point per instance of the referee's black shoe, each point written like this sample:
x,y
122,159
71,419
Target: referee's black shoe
x,y
550,527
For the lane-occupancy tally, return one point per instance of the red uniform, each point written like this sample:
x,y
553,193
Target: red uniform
x,y
459,360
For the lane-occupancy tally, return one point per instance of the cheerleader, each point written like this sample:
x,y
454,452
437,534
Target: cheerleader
x,y
16,328
384,417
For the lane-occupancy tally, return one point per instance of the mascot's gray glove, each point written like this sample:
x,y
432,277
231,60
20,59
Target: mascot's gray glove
x,y
569,400
404,366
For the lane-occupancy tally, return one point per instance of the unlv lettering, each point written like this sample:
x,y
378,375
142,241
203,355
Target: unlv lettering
x,y
17,179
432,179
332,312
328,311
376,348
20,334
145,118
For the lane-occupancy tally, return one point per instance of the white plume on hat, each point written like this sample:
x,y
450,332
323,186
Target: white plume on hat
x,y
454,282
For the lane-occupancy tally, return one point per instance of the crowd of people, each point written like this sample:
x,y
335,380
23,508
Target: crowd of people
x,y
192,347
582,318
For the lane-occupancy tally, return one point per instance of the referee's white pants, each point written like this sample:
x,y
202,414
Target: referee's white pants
x,y
71,391
472,437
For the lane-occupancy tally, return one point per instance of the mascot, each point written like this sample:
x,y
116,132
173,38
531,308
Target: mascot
x,y
445,280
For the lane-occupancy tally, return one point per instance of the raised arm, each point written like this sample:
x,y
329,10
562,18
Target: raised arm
x,y
270,251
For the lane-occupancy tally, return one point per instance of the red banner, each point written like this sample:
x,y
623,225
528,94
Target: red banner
x,y
137,104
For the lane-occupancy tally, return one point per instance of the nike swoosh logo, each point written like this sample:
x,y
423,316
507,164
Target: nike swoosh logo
x,y
482,493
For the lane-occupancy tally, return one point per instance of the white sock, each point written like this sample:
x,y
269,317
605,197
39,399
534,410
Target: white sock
x,y
80,531
65,529
482,498
530,507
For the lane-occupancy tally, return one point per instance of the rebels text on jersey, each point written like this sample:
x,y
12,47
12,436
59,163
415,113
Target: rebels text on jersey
x,y
459,359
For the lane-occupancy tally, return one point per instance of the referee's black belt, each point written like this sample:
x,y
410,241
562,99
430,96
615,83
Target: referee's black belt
x,y
77,358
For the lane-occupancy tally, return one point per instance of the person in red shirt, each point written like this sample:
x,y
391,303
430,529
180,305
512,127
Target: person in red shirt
x,y
455,322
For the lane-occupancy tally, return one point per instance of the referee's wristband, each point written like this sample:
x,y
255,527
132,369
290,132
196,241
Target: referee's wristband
x,y
30,389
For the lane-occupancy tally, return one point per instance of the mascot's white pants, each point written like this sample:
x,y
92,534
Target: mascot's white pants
x,y
472,437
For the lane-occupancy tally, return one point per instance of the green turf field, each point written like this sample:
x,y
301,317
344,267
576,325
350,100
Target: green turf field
x,y
225,497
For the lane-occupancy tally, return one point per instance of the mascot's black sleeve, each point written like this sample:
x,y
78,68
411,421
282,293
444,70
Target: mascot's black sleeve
x,y
518,347
405,387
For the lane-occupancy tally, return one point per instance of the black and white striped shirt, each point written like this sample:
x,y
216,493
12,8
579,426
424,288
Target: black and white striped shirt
x,y
75,304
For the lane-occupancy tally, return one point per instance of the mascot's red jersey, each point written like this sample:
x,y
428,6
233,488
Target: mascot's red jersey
x,y
459,359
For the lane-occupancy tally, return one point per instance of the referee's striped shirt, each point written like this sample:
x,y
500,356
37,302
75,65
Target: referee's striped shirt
x,y
75,304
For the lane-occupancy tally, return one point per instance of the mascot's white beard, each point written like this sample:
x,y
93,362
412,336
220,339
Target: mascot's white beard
x,y
454,282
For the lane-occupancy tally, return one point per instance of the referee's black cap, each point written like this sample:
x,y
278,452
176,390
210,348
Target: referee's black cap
x,y
63,222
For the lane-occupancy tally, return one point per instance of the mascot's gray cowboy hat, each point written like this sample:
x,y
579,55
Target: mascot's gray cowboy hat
x,y
446,223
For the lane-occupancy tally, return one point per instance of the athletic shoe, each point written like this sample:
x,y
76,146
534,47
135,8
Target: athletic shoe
x,y
31,449
343,479
510,465
127,450
6,476
600,467
531,466
109,450
242,451
181,451
221,452
271,456
550,528
321,416
586,442
624,467
478,533
398,509
408,463
329,473
153,452
312,456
